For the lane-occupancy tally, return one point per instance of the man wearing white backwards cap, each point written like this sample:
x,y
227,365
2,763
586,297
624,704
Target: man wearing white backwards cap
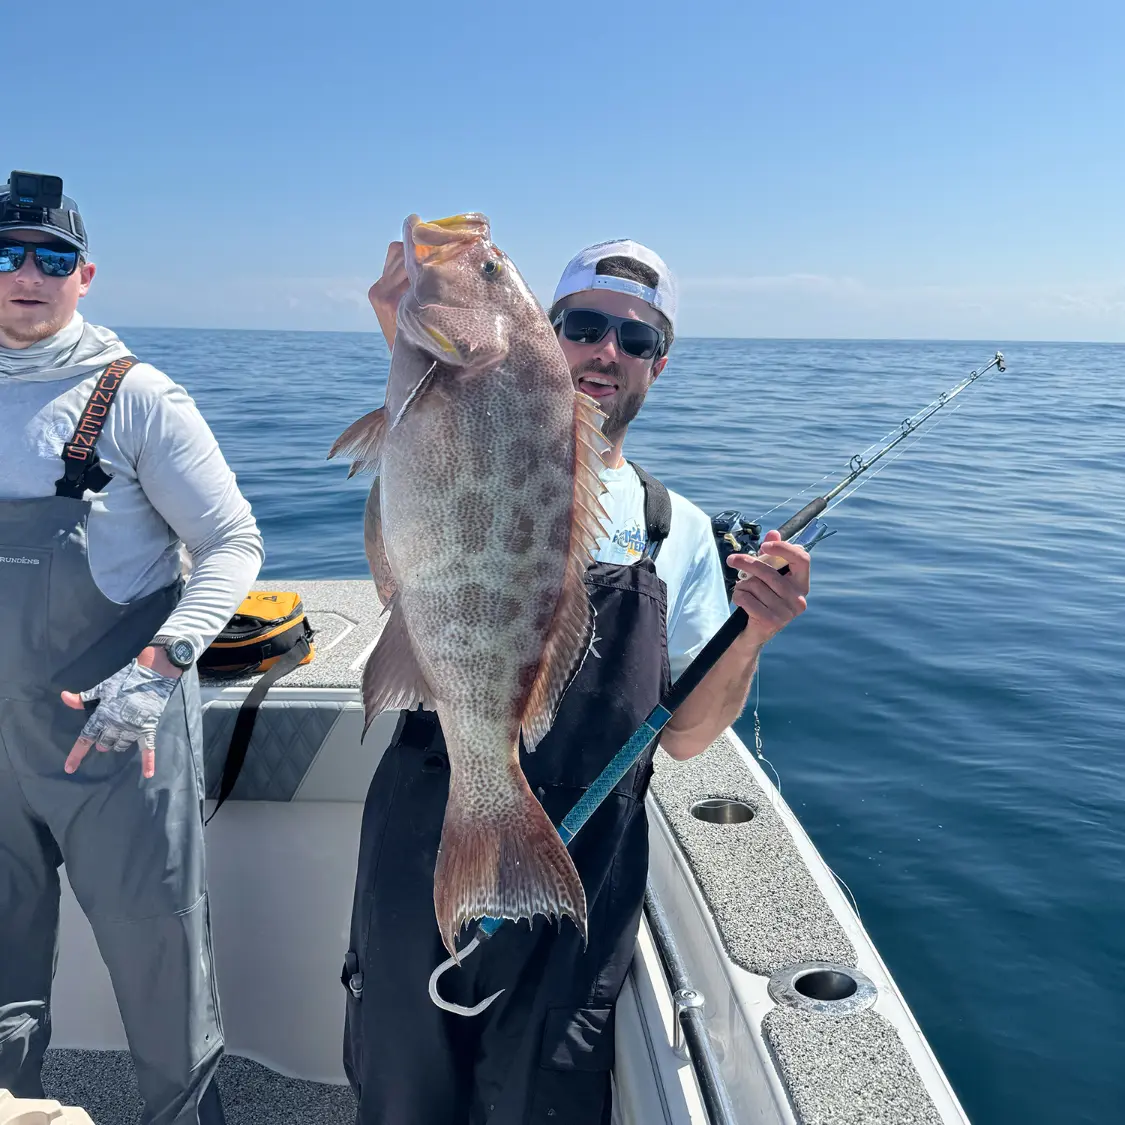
x,y
614,309
543,1051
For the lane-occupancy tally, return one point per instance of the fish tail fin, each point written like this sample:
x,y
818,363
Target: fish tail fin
x,y
510,863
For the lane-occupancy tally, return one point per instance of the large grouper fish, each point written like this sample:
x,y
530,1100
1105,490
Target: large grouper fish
x,y
478,530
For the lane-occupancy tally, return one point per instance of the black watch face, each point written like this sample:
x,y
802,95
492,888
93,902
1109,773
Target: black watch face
x,y
181,653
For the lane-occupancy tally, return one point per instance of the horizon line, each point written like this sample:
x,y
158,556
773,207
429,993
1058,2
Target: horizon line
x,y
679,338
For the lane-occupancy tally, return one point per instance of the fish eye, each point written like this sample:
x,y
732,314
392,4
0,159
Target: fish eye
x,y
492,268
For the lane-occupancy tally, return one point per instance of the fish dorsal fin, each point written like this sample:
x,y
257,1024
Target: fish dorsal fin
x,y
590,449
385,584
573,626
392,680
363,440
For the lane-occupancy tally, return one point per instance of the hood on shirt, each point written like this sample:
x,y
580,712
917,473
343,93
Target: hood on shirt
x,y
77,349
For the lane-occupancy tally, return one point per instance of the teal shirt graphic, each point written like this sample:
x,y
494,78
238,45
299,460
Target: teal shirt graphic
x,y
688,562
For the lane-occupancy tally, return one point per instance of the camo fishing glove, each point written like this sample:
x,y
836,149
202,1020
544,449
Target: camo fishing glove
x,y
131,703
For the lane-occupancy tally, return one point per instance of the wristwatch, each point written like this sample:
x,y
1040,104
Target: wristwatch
x,y
180,652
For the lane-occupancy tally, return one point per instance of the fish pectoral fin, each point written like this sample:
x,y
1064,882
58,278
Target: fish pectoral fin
x,y
385,585
392,680
363,440
572,629
420,389
507,861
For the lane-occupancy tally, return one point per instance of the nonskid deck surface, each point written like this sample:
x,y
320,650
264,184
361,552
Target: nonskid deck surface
x,y
103,1084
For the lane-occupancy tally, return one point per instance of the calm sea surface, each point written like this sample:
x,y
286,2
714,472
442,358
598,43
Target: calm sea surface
x,y
962,767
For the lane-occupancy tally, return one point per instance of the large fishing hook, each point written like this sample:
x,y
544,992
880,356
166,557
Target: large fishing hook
x,y
448,963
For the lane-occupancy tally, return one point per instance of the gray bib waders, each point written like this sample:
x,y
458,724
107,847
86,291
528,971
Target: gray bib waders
x,y
133,848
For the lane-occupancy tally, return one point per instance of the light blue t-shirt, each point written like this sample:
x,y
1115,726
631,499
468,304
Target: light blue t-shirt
x,y
688,562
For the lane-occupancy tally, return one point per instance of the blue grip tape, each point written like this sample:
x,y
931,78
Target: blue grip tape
x,y
619,765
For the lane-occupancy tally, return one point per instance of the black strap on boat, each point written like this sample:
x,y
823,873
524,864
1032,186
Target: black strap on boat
x,y
82,468
248,715
658,511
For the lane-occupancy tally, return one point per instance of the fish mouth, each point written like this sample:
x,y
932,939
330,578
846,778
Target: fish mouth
x,y
469,220
438,240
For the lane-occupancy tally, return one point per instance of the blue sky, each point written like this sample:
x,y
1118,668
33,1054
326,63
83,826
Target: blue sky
x,y
808,169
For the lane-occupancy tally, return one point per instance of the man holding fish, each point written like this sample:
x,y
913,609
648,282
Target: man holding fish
x,y
524,641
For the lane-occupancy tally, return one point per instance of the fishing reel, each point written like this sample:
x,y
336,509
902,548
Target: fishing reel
x,y
737,536
734,536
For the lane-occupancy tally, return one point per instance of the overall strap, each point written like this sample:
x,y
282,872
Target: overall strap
x,y
81,468
658,511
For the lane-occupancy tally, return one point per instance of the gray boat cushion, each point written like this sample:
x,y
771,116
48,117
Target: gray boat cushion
x,y
287,737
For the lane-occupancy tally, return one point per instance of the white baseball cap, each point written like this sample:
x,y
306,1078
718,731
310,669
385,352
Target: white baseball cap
x,y
581,274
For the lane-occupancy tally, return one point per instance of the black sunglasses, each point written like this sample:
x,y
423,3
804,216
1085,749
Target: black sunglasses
x,y
54,259
588,326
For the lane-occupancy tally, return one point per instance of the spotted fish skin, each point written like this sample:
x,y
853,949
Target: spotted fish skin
x,y
478,531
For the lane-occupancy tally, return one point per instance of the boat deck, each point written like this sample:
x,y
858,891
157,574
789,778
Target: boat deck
x,y
103,1084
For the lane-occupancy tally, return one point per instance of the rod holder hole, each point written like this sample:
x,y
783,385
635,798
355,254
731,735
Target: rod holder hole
x,y
825,984
722,810
827,988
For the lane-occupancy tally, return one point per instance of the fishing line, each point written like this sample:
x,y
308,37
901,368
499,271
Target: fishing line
x,y
796,496
886,464
775,798
832,473
758,729
855,905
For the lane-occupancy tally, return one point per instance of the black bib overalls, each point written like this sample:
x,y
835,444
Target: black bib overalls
x,y
543,1051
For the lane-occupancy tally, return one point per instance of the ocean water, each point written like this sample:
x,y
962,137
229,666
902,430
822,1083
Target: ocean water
x,y
947,718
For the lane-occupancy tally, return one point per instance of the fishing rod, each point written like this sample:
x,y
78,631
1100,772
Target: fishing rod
x,y
860,466
804,529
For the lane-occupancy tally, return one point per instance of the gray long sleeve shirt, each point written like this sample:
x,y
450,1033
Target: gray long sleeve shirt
x,y
170,486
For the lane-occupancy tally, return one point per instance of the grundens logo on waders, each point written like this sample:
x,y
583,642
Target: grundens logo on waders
x,y
21,559
89,428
